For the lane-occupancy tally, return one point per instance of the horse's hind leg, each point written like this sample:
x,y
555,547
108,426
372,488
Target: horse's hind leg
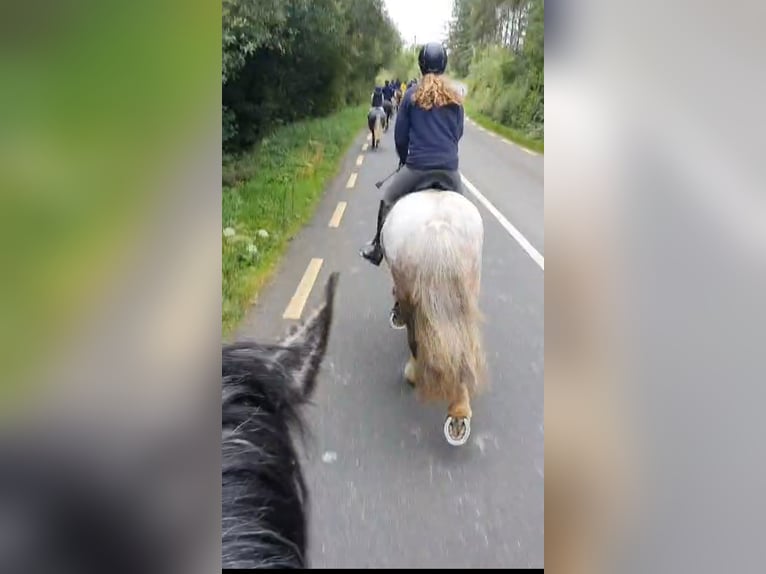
x,y
461,407
409,371
410,367
457,426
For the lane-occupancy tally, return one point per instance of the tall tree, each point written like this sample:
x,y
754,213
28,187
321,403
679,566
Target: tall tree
x,y
460,42
288,59
498,46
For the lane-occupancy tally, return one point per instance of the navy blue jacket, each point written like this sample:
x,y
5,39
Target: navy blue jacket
x,y
377,97
428,139
388,92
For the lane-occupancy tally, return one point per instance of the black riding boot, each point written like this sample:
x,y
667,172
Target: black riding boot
x,y
373,252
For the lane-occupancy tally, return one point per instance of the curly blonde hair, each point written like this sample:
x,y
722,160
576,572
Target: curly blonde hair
x,y
433,91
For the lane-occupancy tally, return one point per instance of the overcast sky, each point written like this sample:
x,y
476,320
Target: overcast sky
x,y
426,19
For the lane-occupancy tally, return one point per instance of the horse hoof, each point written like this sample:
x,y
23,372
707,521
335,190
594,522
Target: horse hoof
x,y
457,431
395,321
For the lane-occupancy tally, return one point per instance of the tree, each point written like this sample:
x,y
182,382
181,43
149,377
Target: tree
x,y
284,60
459,42
498,46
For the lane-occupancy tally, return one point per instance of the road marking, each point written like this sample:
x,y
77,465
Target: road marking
x,y
369,137
351,181
295,307
365,146
515,233
529,151
359,160
338,214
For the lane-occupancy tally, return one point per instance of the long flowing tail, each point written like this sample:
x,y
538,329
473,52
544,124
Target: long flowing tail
x,y
378,128
443,298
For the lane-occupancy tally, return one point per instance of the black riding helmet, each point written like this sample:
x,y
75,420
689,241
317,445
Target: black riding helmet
x,y
432,58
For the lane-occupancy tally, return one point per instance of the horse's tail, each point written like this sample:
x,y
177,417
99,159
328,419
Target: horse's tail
x,y
444,302
377,128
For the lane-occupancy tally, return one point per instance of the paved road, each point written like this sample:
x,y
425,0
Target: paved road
x,y
388,491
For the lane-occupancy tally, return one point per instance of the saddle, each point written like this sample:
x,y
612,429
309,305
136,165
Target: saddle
x,y
433,180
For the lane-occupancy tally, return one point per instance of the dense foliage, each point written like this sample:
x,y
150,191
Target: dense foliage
x,y
497,45
285,60
405,65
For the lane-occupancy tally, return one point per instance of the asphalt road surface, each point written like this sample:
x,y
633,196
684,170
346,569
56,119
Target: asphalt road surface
x,y
387,490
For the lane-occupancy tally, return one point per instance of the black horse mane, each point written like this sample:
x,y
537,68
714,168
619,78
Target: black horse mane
x,y
77,496
264,494
264,491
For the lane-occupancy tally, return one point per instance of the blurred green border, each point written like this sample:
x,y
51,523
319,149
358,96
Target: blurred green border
x,y
99,100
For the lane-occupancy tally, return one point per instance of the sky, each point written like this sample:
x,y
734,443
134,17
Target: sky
x,y
425,19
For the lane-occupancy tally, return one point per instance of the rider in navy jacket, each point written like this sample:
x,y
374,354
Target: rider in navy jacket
x,y
428,139
377,97
428,128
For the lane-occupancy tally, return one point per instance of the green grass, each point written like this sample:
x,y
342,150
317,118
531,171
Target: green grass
x,y
276,188
509,133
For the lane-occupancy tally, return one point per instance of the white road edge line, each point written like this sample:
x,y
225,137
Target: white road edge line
x,y
502,139
513,232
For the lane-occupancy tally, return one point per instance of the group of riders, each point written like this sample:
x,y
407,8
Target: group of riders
x,y
390,92
389,95
429,125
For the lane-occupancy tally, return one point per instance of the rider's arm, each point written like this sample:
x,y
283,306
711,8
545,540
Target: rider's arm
x,y
402,130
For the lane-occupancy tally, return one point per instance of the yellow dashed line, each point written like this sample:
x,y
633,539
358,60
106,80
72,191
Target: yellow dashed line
x,y
295,307
359,160
351,181
338,214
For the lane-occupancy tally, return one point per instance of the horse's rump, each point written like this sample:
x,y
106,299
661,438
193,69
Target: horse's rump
x,y
375,115
433,242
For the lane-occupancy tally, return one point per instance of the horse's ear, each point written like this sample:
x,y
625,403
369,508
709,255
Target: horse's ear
x,y
306,345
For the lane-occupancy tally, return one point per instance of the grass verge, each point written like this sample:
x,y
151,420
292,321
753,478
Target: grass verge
x,y
508,133
269,194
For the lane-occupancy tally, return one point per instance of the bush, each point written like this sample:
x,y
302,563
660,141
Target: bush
x,y
505,75
269,193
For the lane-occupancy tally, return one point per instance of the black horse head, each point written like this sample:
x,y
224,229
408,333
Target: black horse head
x,y
263,491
